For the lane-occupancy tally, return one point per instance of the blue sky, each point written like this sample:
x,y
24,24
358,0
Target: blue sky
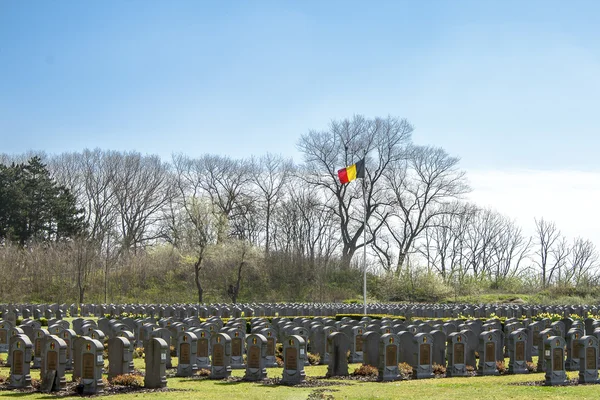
x,y
501,84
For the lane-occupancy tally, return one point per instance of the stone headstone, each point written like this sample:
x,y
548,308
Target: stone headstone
x,y
588,359
456,350
293,360
156,350
220,345
187,343
54,361
389,349
554,357
256,345
120,356
20,356
91,361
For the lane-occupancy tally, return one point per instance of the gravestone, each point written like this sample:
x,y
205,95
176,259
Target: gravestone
x,y
517,342
588,359
237,348
439,347
5,328
294,356
20,356
456,351
203,348
164,334
388,357
187,342
54,361
423,369
120,356
220,345
572,339
155,350
371,345
554,357
256,347
92,362
544,335
488,344
338,346
39,335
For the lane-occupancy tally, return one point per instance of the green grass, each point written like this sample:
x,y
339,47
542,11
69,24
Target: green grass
x,y
499,387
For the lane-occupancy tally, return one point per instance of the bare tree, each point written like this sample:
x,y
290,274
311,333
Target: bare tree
x,y
142,187
193,220
553,250
381,141
421,186
271,172
582,262
225,180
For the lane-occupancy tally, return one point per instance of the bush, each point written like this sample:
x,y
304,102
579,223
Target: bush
x,y
138,352
470,369
501,367
132,380
405,370
366,370
3,379
439,369
314,359
204,372
531,367
279,361
172,351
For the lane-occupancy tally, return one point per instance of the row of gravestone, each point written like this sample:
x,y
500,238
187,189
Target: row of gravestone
x,y
87,362
12,312
365,331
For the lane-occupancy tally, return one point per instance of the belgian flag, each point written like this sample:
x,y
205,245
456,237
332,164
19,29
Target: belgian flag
x,y
352,172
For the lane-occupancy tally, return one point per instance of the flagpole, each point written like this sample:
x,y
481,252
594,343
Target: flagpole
x,y
364,187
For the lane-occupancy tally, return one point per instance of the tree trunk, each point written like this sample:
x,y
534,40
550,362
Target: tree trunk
x,y
197,268
347,254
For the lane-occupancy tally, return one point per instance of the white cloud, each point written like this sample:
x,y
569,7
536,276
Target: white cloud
x,y
569,198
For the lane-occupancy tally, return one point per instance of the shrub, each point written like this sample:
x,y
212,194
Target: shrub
x,y
531,367
3,379
314,359
279,349
405,370
470,369
501,367
204,372
138,352
132,380
279,361
172,351
439,369
366,370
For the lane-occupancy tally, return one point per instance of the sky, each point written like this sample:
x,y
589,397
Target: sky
x,y
510,87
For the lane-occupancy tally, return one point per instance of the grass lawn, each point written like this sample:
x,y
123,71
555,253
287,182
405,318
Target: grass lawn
x,y
499,387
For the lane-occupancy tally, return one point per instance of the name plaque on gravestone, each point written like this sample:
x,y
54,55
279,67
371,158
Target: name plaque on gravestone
x,y
359,343
459,353
52,357
425,350
218,355
184,357
390,356
254,357
87,366
3,337
38,348
203,348
291,358
270,346
520,351
590,358
557,360
490,352
18,362
236,347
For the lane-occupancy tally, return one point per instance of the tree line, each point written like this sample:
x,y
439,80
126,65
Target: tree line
x,y
101,225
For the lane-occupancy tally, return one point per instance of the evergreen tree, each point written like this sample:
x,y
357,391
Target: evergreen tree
x,y
33,207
